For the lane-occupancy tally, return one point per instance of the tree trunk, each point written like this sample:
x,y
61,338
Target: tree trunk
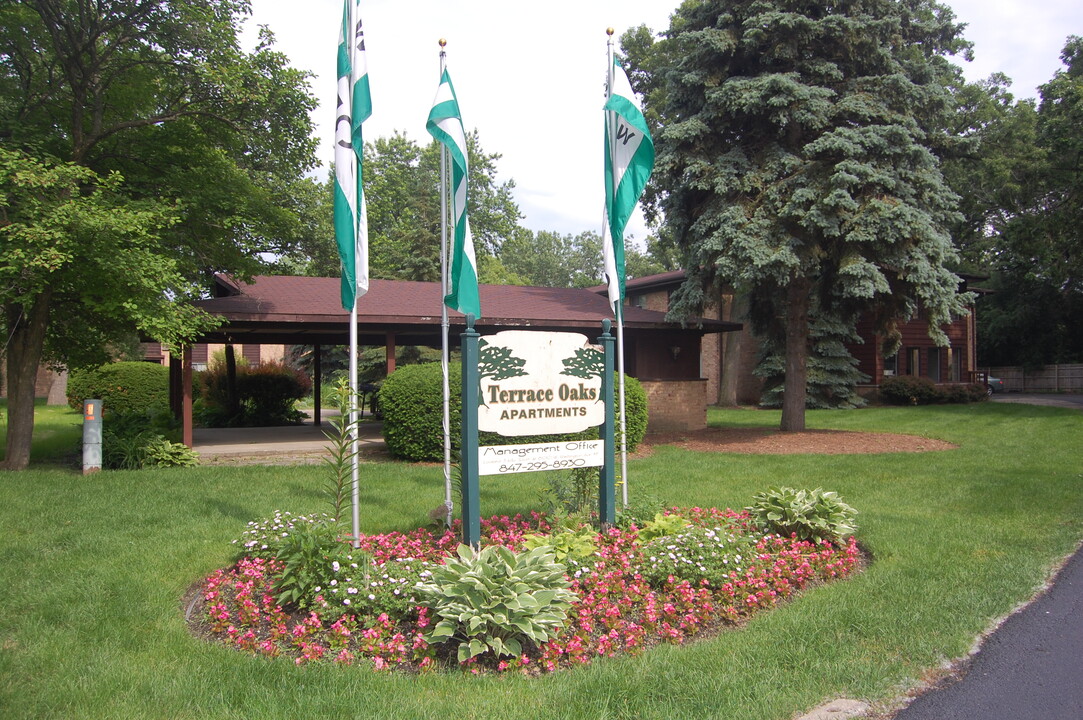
x,y
23,357
795,389
737,308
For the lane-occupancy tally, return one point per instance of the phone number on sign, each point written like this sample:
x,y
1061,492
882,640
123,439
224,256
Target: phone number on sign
x,y
541,465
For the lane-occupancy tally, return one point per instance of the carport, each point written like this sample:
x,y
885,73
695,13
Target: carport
x,y
292,310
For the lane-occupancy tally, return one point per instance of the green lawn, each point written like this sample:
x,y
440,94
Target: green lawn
x,y
94,570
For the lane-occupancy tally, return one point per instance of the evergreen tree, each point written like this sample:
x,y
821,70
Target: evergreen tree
x,y
798,162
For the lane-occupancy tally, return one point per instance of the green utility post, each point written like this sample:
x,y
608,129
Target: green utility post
x,y
608,475
468,462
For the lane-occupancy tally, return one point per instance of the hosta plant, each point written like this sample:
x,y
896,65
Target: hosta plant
x,y
809,514
564,544
495,599
661,526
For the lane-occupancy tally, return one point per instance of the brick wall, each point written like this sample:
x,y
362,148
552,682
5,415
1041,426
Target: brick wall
x,y
676,405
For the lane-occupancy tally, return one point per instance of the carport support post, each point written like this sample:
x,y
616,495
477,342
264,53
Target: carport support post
x,y
608,475
468,448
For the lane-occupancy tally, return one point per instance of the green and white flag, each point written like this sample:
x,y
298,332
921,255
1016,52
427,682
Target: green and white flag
x,y
629,159
446,125
354,107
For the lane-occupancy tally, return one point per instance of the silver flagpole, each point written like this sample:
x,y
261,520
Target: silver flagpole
x,y
355,448
444,325
618,308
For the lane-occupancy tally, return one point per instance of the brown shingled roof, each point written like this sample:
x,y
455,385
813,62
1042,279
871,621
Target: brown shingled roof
x,y
300,310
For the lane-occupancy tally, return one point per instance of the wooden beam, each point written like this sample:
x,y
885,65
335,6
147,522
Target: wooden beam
x,y
389,353
186,397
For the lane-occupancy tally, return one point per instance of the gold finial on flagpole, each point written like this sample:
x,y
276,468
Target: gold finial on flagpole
x,y
442,42
609,31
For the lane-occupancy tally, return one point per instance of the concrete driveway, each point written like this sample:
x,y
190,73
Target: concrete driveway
x,y
1068,400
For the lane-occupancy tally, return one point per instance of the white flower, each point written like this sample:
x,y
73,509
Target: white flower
x,y
346,601
335,566
352,591
372,597
334,582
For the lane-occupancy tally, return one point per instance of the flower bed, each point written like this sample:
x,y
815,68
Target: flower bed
x,y
628,594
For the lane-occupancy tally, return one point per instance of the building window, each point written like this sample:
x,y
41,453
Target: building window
x,y
891,365
955,365
934,364
913,361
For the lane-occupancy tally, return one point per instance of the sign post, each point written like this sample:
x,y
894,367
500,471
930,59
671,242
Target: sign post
x,y
522,383
607,477
468,461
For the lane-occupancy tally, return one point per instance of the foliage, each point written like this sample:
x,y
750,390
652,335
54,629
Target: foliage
x,y
411,400
1021,190
832,371
915,390
143,439
493,600
697,554
265,394
626,595
308,554
143,149
812,515
575,543
662,525
798,160
549,259
640,510
123,387
340,459
160,452
908,390
571,493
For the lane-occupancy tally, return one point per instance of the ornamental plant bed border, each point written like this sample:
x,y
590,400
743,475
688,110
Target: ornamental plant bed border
x,y
617,611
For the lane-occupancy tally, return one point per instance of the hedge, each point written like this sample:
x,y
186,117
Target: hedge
x,y
123,387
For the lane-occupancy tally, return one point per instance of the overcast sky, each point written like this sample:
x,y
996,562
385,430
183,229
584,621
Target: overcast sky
x,y
529,76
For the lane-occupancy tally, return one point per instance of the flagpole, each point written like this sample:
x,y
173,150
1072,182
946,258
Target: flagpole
x,y
618,307
444,324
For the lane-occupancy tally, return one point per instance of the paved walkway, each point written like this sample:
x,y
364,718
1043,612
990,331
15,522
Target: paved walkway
x,y
291,444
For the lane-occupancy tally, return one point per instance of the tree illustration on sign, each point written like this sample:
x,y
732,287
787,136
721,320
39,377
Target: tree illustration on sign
x,y
496,362
587,363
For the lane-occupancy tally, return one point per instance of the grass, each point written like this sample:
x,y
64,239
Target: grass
x,y
94,570
58,430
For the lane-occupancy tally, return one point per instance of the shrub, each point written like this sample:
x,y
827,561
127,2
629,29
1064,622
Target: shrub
x,y
411,401
697,554
265,395
912,390
134,440
908,390
309,554
808,514
122,387
969,393
493,600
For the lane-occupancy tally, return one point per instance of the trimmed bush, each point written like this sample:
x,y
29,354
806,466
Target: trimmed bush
x,y
912,390
265,395
123,387
908,390
411,401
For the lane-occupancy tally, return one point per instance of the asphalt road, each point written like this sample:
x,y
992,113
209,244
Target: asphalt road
x,y
1030,668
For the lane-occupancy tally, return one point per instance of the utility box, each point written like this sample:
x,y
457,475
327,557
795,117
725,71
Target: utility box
x,y
92,436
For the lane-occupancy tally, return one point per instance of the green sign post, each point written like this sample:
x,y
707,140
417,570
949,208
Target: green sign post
x,y
471,399
468,462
